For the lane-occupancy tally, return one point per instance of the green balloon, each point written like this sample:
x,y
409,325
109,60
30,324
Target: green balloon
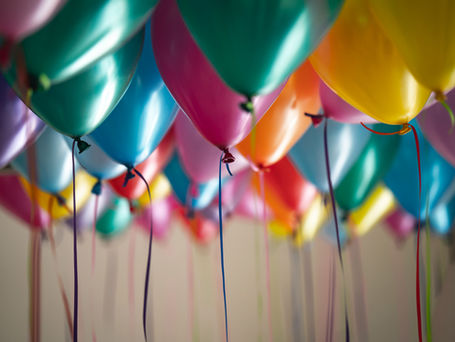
x,y
82,32
115,219
372,165
254,45
78,105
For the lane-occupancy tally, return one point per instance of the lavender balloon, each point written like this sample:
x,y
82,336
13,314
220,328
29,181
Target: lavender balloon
x,y
161,213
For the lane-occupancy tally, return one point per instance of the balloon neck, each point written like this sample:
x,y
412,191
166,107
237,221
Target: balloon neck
x,y
405,129
96,190
81,145
316,119
228,157
440,96
247,106
442,99
129,175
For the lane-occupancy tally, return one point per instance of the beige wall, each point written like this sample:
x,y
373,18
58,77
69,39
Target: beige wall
x,y
388,274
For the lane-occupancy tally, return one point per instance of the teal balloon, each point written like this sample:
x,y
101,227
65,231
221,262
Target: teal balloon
x,y
82,32
78,105
255,45
53,162
403,177
116,218
143,116
369,169
345,144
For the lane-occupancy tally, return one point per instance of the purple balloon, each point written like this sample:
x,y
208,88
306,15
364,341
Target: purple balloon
x,y
161,213
18,125
401,223
339,110
437,128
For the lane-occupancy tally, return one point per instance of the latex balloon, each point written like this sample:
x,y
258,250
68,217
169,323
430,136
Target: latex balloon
x,y
52,162
345,143
424,36
211,105
160,214
266,41
19,126
400,223
403,180
361,65
78,105
84,185
149,168
436,126
251,206
199,157
14,198
96,162
334,107
285,121
20,18
160,188
278,230
143,116
442,217
115,219
375,208
201,229
371,166
82,32
191,195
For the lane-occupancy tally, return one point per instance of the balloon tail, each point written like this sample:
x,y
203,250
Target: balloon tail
x,y
267,256
442,99
35,284
316,119
332,197
149,256
81,144
76,288
428,274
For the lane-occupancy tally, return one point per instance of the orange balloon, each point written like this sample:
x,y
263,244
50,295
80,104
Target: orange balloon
x,y
285,121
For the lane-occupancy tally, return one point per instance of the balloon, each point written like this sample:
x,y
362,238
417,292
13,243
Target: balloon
x,y
82,32
160,188
443,214
371,166
345,143
278,230
424,34
115,219
285,121
403,180
334,107
15,199
191,195
160,214
78,105
20,18
254,45
149,168
202,229
210,104
251,206
19,126
363,67
436,126
200,158
143,116
330,233
53,164
400,223
84,185
377,206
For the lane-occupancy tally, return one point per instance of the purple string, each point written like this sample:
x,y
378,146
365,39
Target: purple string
x,y
76,288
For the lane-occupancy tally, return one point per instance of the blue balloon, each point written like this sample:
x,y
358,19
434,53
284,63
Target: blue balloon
x,y
182,186
95,161
53,162
403,176
443,215
142,117
345,143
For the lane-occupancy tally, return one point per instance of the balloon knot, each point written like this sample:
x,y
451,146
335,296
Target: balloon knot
x,y
315,118
228,157
405,129
344,216
81,145
247,106
96,190
60,200
128,175
440,96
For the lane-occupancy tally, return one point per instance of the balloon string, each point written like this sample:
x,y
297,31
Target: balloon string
x,y
220,213
63,294
131,254
76,286
191,292
331,301
35,308
358,279
332,196
428,273
257,267
149,259
95,215
443,100
309,291
267,255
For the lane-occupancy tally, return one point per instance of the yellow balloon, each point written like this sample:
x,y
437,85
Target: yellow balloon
x,y
362,66
380,203
159,188
84,185
423,31
278,229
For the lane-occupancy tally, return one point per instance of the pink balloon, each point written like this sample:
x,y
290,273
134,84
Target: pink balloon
x,y
339,110
199,157
210,104
19,18
161,213
14,198
401,223
251,206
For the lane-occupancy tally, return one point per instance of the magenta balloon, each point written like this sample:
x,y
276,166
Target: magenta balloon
x,y
18,125
161,213
210,104
339,110
436,126
199,157
401,223
14,198
19,18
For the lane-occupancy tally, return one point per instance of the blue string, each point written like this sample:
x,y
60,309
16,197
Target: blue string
x,y
228,169
220,213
